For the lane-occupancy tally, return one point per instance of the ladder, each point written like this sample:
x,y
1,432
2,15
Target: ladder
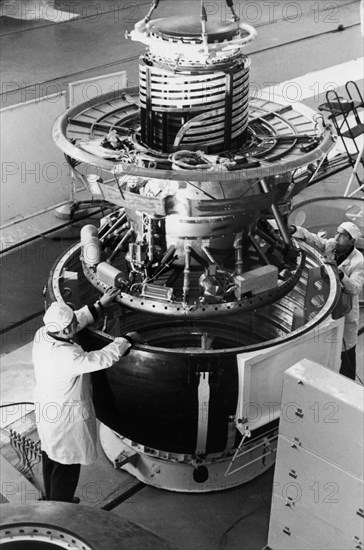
x,y
344,114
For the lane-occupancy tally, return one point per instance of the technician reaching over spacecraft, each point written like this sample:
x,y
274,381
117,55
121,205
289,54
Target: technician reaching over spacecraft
x,y
65,414
350,262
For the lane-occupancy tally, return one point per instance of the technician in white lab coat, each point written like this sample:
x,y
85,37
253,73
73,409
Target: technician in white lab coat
x,y
350,262
65,415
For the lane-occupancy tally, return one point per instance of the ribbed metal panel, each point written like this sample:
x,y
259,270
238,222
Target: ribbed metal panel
x,y
195,109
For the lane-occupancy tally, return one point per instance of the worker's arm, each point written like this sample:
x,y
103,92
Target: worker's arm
x,y
89,314
353,283
310,238
76,361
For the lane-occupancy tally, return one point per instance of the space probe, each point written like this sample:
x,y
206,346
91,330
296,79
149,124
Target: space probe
x,y
201,173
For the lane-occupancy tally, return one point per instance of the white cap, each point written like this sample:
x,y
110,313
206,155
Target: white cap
x,y
352,229
58,316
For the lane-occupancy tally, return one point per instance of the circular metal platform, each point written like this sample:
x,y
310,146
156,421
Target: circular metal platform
x,y
281,138
188,28
52,525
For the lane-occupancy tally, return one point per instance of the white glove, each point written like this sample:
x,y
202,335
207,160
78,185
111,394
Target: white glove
x,y
329,253
123,344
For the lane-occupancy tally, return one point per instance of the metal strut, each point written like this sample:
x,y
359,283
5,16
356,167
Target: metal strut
x,y
230,4
264,441
151,10
203,25
247,434
186,273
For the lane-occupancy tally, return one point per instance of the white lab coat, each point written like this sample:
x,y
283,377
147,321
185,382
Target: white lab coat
x,y
352,282
65,414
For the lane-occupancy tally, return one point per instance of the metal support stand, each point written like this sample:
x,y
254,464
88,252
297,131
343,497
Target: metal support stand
x,y
344,113
354,174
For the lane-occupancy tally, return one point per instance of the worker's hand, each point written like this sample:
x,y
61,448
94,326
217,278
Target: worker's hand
x,y
109,296
329,254
124,345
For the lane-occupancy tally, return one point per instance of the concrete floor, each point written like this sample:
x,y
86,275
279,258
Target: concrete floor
x,y
38,53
